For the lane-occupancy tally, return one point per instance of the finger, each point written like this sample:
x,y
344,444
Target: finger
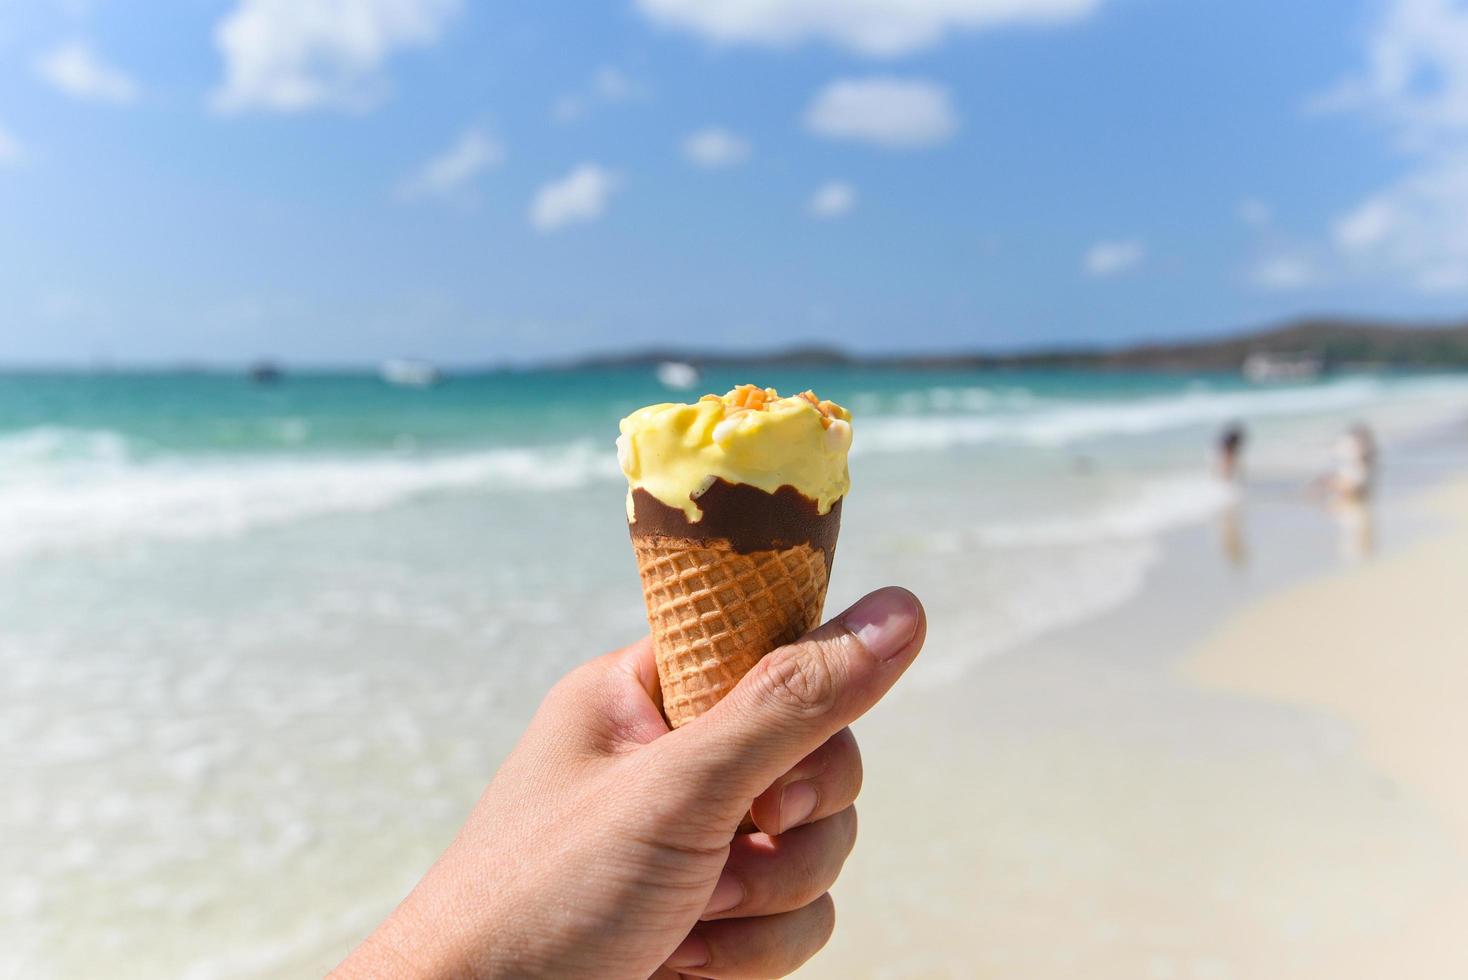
x,y
769,946
794,699
639,720
768,875
823,783
611,703
637,660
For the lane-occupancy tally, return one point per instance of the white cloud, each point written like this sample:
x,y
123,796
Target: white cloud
x,y
1414,83
880,28
611,85
67,306
833,199
1416,73
715,148
1112,258
580,196
608,86
293,55
455,168
890,112
74,68
1279,261
1255,213
1415,231
1284,268
10,149
568,108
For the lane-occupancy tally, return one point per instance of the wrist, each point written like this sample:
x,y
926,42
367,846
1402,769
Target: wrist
x,y
416,944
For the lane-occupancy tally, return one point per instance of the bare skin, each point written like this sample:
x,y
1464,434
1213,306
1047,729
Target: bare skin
x,y
607,846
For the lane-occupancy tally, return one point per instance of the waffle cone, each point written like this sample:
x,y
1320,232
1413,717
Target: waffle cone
x,y
714,612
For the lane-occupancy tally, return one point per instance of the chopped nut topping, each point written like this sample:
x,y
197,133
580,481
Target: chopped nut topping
x,y
752,398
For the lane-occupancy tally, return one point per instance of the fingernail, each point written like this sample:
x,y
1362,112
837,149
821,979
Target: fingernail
x,y
728,893
797,803
691,952
885,622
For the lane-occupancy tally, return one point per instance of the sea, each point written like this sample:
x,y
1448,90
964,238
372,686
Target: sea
x,y
261,646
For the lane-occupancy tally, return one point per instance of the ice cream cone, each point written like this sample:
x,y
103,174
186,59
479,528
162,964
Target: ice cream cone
x,y
734,504
715,612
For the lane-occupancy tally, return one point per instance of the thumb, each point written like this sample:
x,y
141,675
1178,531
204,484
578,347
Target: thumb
x,y
799,696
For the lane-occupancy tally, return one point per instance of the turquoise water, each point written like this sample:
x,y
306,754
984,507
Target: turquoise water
x,y
94,463
216,414
263,646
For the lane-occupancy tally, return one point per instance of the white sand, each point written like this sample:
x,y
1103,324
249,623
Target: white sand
x,y
1289,803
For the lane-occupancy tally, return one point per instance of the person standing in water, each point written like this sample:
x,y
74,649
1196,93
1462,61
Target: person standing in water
x,y
1349,489
1355,473
1228,465
1230,452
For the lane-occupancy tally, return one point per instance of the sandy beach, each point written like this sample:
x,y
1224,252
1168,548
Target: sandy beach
x,y
1162,795
1383,650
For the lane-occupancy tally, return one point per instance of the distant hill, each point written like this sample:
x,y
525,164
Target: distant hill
x,y
1336,343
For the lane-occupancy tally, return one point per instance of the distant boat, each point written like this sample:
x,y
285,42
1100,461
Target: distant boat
x,y
677,375
1264,368
264,373
409,374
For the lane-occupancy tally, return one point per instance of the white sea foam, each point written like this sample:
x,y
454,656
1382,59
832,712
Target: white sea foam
x,y
1062,422
62,490
1039,597
1061,570
1158,506
51,445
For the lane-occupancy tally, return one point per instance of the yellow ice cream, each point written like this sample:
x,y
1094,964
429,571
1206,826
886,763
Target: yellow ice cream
x,y
751,436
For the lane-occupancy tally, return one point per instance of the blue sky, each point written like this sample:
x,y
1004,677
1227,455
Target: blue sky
x,y
346,180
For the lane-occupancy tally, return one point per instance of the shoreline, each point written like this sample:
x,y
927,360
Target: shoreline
x,y
1079,806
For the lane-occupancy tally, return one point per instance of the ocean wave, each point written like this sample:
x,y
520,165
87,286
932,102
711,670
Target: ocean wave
x,y
1159,505
1058,422
942,398
1059,570
80,492
1037,599
51,445
64,488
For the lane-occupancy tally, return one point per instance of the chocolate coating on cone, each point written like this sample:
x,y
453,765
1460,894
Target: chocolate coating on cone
x,y
748,518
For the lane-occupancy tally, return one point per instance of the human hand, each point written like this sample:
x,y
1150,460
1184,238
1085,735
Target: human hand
x,y
606,846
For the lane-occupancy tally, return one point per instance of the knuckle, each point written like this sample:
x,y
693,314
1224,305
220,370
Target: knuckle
x,y
558,702
817,925
840,828
810,876
845,765
825,918
570,686
801,679
813,870
849,826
